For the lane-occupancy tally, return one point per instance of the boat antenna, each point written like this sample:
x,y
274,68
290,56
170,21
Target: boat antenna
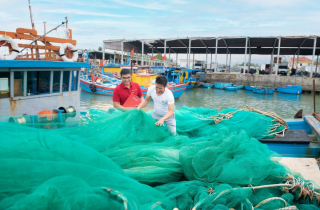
x,y
45,34
32,23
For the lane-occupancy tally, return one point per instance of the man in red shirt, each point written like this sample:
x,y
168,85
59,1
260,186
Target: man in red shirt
x,y
122,92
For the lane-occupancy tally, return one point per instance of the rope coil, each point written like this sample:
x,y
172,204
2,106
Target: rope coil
x,y
220,117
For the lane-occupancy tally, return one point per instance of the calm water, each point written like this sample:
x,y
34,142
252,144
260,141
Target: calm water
x,y
285,105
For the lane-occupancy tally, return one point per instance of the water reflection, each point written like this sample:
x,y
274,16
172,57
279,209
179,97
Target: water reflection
x,y
285,97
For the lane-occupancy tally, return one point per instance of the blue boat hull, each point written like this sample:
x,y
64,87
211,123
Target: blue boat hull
x,y
310,150
221,85
231,88
177,90
207,85
294,89
263,90
239,86
189,87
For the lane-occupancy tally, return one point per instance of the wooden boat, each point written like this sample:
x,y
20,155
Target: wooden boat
x,y
45,78
300,140
291,89
106,85
239,86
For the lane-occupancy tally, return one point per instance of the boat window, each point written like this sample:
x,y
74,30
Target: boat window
x,y
66,80
56,81
74,80
4,84
18,83
38,82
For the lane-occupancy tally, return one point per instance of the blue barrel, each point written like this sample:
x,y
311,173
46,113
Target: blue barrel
x,y
176,81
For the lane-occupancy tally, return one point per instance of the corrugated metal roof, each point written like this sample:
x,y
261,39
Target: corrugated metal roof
x,y
235,45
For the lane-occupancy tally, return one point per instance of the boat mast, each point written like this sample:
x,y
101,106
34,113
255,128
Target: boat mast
x,y
32,23
33,27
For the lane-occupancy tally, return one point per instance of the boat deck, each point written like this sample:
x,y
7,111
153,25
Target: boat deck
x,y
307,167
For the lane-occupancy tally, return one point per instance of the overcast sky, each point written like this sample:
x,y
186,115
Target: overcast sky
x,y
94,21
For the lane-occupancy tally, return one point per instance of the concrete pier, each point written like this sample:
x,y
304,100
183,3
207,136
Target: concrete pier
x,y
264,80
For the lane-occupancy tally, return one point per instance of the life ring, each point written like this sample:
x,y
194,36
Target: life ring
x,y
92,88
73,50
15,49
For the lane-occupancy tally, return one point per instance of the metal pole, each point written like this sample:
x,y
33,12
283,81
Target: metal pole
x,y
177,60
103,55
314,95
121,52
279,43
165,50
227,60
142,54
293,62
230,64
45,40
193,62
32,23
245,57
211,62
313,53
249,62
317,63
169,57
189,53
216,51
206,59
298,58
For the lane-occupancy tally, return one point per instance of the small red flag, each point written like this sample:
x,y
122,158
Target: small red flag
x,y
131,53
164,57
153,57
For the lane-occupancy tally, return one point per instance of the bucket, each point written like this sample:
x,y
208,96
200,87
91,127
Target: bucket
x,y
70,110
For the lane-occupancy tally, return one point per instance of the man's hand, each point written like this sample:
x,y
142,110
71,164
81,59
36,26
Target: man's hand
x,y
160,122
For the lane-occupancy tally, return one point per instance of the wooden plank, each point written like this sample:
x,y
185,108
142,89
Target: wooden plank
x,y
29,37
314,123
26,30
307,167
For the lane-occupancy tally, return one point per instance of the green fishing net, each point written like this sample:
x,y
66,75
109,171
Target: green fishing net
x,y
122,160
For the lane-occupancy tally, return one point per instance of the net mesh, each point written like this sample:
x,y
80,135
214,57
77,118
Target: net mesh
x,y
122,160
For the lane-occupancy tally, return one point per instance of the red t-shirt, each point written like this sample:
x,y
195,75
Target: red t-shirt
x,y
121,93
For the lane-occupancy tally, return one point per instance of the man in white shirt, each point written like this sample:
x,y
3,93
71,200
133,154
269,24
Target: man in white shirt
x,y
163,103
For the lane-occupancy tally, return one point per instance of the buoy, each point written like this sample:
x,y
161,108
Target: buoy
x,y
15,49
73,50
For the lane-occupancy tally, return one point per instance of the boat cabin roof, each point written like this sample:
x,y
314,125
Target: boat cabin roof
x,y
41,64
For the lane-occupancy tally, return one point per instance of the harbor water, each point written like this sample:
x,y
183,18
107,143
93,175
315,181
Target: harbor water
x,y
285,105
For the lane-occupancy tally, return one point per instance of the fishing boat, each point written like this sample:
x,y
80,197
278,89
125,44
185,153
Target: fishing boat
x,y
239,86
231,88
300,140
291,89
45,80
105,85
221,85
263,90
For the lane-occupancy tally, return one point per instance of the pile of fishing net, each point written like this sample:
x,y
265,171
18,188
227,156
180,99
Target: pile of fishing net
x,y
121,160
